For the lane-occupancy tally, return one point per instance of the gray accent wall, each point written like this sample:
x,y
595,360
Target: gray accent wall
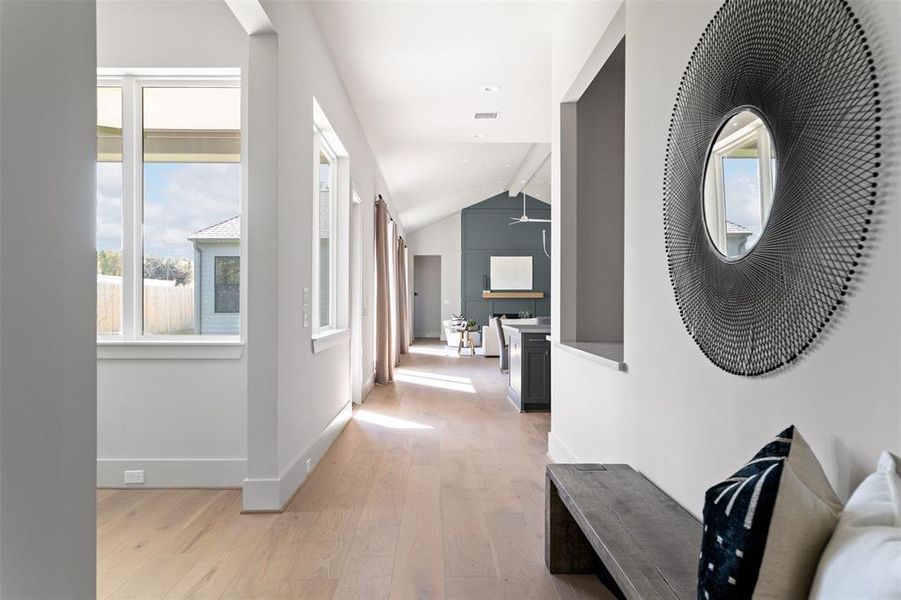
x,y
486,232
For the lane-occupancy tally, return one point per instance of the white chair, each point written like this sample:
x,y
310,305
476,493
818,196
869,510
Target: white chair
x,y
489,342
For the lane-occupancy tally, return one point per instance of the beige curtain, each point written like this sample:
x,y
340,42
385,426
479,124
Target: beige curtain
x,y
384,354
400,279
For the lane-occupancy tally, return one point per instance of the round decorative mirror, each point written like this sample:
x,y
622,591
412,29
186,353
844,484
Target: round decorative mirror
x,y
739,179
762,251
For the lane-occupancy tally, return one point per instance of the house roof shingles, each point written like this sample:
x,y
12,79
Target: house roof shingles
x,y
230,229
737,229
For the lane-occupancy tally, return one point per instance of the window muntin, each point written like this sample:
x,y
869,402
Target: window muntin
x,y
227,284
109,210
180,169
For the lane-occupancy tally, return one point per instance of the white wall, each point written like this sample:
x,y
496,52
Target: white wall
x,y
298,400
442,239
673,415
313,389
182,421
47,296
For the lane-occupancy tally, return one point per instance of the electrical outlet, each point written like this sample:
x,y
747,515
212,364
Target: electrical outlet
x,y
136,476
309,465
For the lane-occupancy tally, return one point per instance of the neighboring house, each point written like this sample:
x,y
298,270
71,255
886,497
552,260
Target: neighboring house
x,y
736,238
217,278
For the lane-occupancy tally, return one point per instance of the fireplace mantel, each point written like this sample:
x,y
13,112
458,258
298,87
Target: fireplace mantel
x,y
491,295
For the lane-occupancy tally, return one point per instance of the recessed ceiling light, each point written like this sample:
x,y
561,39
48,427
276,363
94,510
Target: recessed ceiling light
x,y
478,136
465,160
490,88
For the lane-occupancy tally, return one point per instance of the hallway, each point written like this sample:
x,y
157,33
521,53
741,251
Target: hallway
x,y
434,490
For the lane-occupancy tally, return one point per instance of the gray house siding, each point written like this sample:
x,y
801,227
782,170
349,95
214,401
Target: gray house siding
x,y
211,322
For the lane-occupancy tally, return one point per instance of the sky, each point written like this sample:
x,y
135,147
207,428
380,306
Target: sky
x,y
179,200
742,187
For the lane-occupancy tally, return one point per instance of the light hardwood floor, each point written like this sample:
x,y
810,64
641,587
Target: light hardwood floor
x,y
434,490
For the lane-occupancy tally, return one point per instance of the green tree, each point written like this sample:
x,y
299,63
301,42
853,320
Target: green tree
x,y
109,262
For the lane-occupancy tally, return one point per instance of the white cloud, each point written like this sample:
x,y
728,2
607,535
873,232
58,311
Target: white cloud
x,y
109,206
181,199
743,195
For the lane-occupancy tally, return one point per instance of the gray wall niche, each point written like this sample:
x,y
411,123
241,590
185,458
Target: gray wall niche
x,y
486,232
598,119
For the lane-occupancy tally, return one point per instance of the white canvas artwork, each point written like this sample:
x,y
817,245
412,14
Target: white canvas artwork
x,y
511,273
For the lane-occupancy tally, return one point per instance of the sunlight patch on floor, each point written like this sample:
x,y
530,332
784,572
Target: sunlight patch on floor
x,y
445,351
453,384
430,375
387,421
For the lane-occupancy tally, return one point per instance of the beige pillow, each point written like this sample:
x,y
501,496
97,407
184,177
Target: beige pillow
x,y
766,525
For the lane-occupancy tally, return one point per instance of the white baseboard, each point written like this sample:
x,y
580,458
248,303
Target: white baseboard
x,y
557,450
173,472
271,495
368,386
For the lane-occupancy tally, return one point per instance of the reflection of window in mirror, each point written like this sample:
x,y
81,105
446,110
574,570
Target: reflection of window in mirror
x,y
739,182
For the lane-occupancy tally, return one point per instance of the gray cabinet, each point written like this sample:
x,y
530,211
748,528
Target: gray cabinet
x,y
529,387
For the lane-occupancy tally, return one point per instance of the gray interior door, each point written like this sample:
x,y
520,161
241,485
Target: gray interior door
x,y
427,296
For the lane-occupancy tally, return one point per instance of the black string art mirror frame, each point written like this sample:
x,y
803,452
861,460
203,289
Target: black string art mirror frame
x,y
807,67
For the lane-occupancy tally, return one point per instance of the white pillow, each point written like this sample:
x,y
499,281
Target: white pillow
x,y
863,558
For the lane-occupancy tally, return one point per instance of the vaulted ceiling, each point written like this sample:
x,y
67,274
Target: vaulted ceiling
x,y
416,73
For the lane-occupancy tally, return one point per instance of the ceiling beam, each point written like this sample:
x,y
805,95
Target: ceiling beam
x,y
251,16
531,162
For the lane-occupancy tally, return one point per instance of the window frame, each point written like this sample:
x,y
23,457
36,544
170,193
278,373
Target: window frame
x,y
338,331
132,333
322,146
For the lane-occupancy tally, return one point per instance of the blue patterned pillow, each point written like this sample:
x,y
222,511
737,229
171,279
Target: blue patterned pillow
x,y
766,526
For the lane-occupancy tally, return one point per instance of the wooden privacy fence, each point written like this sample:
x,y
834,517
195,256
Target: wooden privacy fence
x,y
168,309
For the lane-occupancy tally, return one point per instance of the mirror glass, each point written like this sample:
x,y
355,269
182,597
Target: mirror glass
x,y
738,183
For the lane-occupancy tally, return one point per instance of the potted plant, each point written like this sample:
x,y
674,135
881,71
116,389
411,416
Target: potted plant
x,y
473,335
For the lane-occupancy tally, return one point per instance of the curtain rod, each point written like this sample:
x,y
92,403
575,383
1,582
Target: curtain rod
x,y
380,199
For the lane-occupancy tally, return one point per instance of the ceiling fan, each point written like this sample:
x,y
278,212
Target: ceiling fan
x,y
525,218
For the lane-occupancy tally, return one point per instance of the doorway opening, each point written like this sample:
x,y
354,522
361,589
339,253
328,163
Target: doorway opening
x,y
426,297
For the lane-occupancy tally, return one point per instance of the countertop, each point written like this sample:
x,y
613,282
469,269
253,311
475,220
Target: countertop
x,y
527,325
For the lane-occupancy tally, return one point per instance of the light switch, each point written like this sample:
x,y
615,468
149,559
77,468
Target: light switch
x,y
306,307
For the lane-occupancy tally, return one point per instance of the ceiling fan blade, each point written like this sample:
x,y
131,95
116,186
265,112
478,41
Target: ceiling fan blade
x,y
514,222
539,220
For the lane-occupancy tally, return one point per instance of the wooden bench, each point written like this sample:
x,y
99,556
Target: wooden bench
x,y
611,521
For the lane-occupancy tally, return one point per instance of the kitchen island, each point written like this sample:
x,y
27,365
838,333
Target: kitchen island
x,y
529,384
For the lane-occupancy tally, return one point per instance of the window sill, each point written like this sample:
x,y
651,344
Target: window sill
x,y
608,354
168,349
328,338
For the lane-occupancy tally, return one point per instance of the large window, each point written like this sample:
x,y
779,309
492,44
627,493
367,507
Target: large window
x,y
325,217
169,226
